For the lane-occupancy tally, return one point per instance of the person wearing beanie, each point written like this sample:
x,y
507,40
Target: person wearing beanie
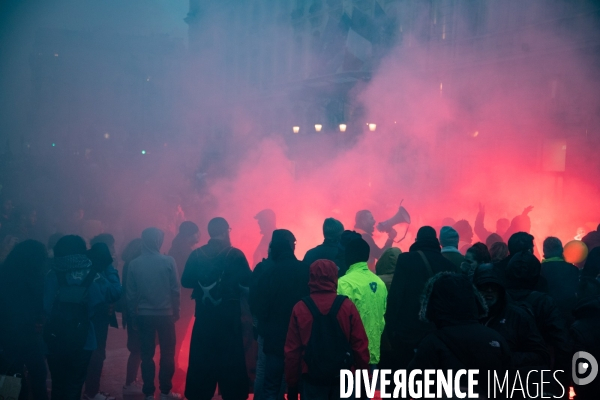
x,y
522,275
449,241
279,288
413,268
367,291
331,248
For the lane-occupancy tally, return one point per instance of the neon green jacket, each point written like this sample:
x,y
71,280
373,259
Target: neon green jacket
x,y
369,294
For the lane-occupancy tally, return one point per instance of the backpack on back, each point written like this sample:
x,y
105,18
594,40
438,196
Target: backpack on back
x,y
328,350
68,325
210,277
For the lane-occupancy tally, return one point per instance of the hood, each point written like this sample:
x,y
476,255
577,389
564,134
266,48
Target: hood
x,y
427,244
487,273
587,307
323,277
75,266
450,299
281,244
387,263
152,240
100,255
523,271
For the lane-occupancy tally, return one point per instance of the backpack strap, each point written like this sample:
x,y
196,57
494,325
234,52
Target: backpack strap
x,y
337,304
427,265
87,281
312,307
314,310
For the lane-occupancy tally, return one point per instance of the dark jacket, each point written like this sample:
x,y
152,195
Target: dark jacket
x,y
180,251
279,288
329,250
515,323
562,279
585,336
323,291
254,296
459,340
235,271
402,313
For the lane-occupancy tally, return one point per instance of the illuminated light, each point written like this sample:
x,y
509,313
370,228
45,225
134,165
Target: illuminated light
x,y
342,127
476,133
106,135
394,121
148,79
55,54
372,127
143,151
296,129
318,127
53,144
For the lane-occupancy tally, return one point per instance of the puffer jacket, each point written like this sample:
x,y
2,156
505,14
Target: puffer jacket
x,y
369,294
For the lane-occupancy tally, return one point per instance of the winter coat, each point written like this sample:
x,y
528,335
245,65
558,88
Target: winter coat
x,y
386,265
585,336
323,282
236,271
402,314
453,255
279,289
152,284
369,294
562,279
459,342
515,323
328,250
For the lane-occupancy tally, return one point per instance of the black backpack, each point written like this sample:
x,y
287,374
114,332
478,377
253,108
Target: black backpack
x,y
67,327
210,276
328,350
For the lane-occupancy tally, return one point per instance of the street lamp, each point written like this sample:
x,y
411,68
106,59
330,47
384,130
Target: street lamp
x,y
296,129
318,127
342,127
372,127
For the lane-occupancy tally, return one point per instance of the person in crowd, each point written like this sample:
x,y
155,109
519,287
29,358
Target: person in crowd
x,y
591,268
368,293
279,289
386,265
69,348
465,234
518,242
493,238
22,315
52,242
592,239
522,275
364,223
476,255
267,222
459,341
218,273
102,261
498,251
413,270
514,322
182,246
153,305
449,241
562,278
585,331
330,249
132,387
324,300
502,226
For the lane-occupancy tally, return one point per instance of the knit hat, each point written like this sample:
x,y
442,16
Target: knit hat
x,y
448,237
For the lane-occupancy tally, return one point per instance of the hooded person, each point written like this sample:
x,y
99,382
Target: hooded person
x,y
279,289
449,240
413,270
267,222
72,268
522,277
104,316
153,301
323,284
368,293
584,333
561,277
219,275
459,342
22,314
386,265
331,248
514,322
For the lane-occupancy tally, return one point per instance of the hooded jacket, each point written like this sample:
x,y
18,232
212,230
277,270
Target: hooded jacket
x,y
522,274
386,265
562,279
279,288
515,323
369,294
402,315
323,282
152,284
584,334
460,342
